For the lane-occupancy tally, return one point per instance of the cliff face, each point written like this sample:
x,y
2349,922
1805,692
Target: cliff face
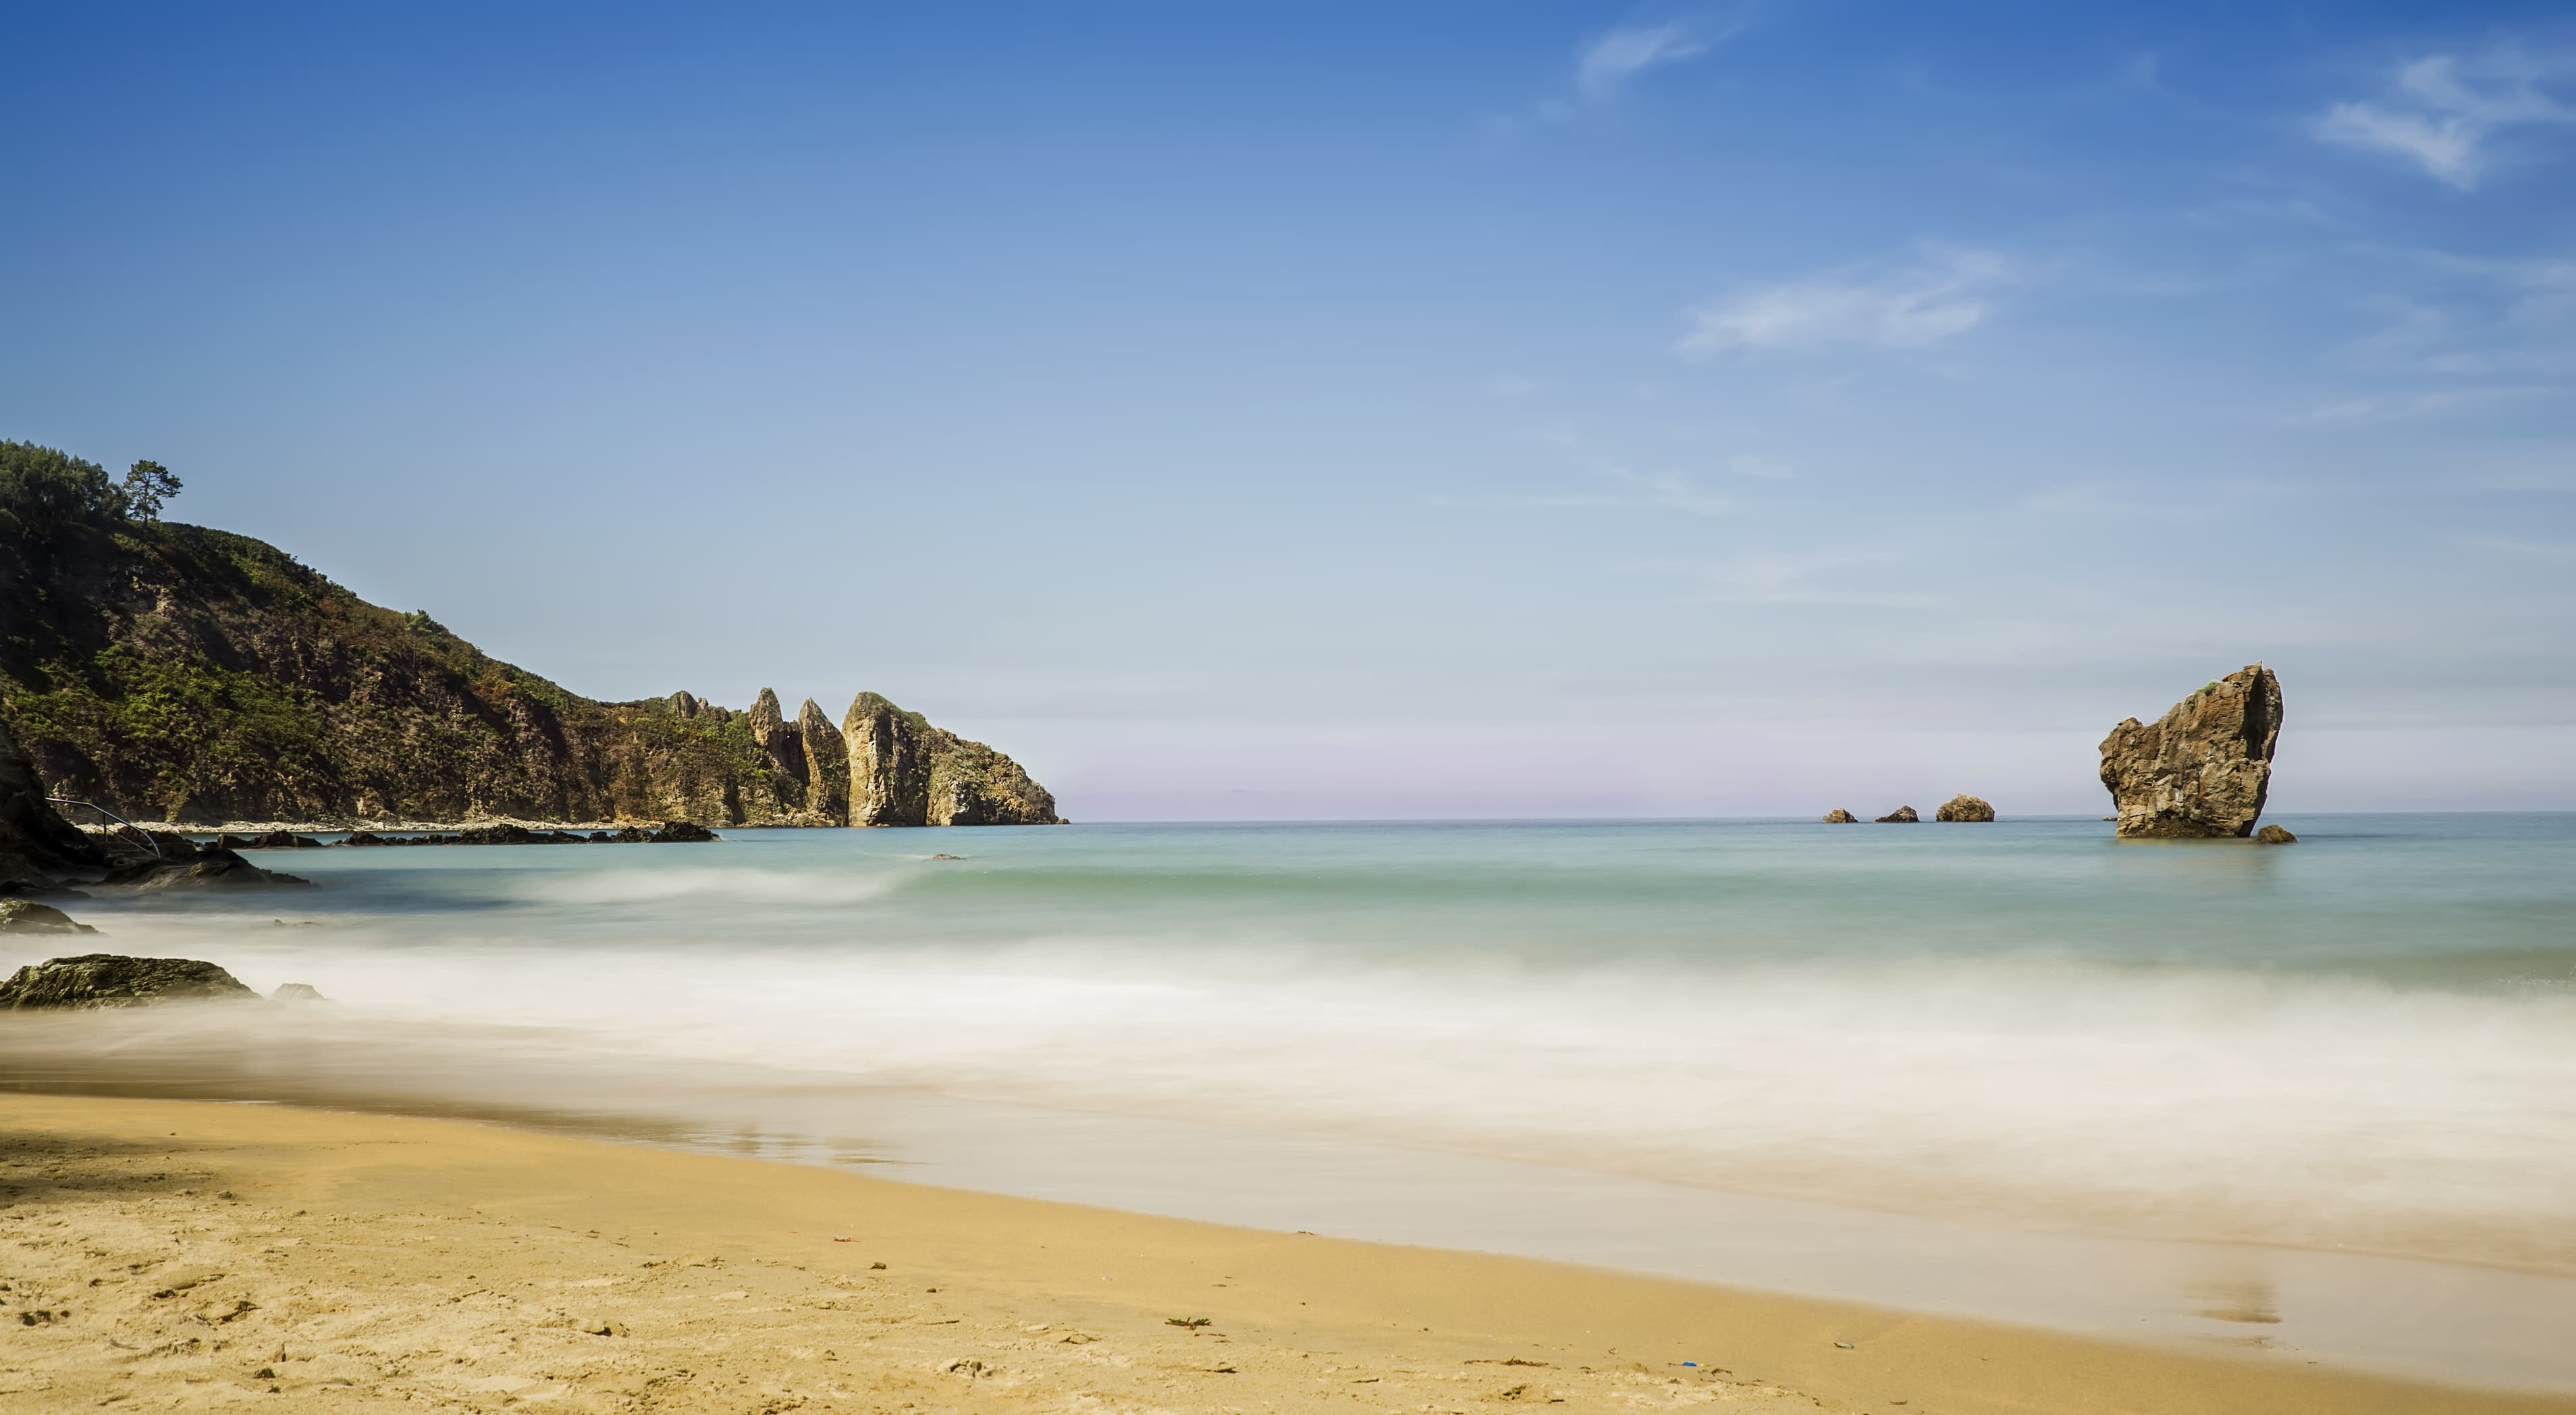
x,y
172,672
2202,769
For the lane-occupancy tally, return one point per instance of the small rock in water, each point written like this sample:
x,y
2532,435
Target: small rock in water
x,y
297,992
1839,816
682,832
25,916
1902,815
2274,835
948,857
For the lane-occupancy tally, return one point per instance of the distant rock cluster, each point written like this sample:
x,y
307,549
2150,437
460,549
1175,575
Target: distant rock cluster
x,y
1962,807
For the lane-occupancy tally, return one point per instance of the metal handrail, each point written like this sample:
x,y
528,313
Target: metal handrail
x,y
111,815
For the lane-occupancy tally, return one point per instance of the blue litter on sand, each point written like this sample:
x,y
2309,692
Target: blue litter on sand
x,y
1690,1363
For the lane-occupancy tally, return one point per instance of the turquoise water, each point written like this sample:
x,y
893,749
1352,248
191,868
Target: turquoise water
x,y
2367,1040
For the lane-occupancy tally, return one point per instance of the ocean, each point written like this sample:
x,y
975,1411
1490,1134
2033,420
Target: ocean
x,y
2018,1070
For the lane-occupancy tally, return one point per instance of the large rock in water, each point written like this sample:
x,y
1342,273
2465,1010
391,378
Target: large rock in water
x,y
2202,769
110,980
1964,807
903,771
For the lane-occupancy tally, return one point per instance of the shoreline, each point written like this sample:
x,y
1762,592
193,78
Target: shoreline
x,y
372,1260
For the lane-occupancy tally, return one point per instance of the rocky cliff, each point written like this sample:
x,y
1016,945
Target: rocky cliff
x,y
175,673
2203,768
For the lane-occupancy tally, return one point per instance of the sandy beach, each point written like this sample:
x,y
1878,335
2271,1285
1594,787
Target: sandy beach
x,y
184,1255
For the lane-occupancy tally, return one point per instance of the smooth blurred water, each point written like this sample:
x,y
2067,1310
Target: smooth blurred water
x,y
2366,1040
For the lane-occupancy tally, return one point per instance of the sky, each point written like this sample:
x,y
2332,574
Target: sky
x,y
1369,411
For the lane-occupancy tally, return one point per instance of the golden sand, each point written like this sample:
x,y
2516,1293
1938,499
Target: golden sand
x,y
186,1255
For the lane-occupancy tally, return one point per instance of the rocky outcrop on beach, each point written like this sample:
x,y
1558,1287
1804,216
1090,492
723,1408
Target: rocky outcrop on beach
x,y
1839,816
100,980
26,916
180,674
2274,835
1902,815
2201,770
1964,807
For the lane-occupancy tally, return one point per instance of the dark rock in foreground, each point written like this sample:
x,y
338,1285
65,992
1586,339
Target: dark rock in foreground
x,y
95,980
22,916
2275,835
1902,815
1964,807
1839,816
2203,768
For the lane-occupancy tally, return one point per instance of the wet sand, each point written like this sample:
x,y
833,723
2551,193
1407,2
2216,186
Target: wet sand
x,y
187,1254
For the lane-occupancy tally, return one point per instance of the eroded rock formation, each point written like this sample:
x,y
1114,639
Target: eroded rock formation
x,y
827,758
1964,807
2203,768
1839,816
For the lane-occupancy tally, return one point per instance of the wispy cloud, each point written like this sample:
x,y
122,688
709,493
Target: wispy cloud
x,y
1785,579
2440,402
1903,309
2446,112
2512,545
1627,490
1608,63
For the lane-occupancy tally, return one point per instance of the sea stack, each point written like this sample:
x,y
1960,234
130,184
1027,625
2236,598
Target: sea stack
x,y
1839,816
1964,807
2201,770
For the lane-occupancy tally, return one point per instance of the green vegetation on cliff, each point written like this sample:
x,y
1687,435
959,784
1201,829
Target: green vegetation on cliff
x,y
171,672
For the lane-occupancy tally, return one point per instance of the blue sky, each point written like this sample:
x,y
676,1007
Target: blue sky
x,y
1372,410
